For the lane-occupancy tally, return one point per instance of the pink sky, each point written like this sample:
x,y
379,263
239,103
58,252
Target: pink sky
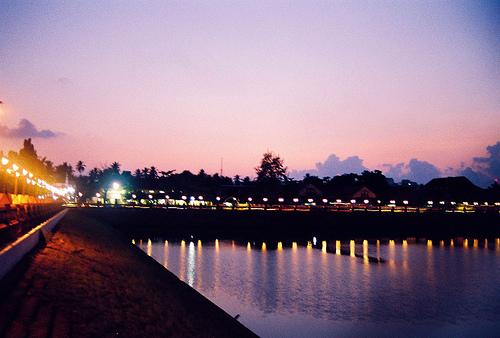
x,y
181,85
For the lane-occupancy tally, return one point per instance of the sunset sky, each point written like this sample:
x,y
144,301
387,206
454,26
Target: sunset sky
x,y
181,84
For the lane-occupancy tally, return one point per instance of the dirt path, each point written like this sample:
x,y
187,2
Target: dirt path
x,y
90,281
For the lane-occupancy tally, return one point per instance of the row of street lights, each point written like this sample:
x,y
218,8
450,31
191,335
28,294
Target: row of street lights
x,y
30,179
296,200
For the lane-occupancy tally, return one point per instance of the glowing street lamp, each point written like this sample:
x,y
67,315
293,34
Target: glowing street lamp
x,y
338,201
265,199
5,161
405,202
15,167
295,200
184,197
217,198
353,201
392,201
116,185
281,199
310,200
430,202
249,199
325,200
150,196
366,201
200,198
134,196
25,172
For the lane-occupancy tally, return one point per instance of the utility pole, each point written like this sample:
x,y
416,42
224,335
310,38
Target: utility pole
x,y
221,166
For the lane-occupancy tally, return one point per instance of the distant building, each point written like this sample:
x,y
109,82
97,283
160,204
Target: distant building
x,y
453,188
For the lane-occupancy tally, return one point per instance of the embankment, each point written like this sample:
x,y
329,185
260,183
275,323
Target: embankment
x,y
260,224
90,281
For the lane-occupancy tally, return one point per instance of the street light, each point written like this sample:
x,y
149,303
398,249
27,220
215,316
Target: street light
x,y
281,199
295,200
5,161
116,185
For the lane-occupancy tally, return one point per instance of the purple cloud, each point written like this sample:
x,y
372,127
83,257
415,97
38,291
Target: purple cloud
x,y
26,129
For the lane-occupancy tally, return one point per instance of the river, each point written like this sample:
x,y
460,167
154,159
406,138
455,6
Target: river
x,y
319,288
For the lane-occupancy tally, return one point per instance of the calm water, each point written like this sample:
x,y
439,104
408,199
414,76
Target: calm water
x,y
331,288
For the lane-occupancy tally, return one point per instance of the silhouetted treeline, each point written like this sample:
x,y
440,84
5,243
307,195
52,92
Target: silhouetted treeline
x,y
271,181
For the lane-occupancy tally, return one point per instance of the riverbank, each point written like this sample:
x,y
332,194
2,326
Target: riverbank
x,y
260,224
90,281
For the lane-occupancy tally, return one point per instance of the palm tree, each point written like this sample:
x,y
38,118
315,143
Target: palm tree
x,y
115,168
80,167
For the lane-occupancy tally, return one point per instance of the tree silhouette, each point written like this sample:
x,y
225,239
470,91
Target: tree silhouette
x,y
271,169
80,167
115,168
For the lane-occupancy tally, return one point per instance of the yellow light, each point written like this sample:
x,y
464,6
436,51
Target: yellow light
x,y
294,245
30,175
365,251
5,161
116,185
352,248
337,247
15,167
264,246
280,246
25,172
323,246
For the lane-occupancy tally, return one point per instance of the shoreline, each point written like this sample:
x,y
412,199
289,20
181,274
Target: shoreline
x,y
136,223
89,280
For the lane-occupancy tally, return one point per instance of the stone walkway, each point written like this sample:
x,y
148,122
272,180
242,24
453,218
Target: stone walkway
x,y
90,281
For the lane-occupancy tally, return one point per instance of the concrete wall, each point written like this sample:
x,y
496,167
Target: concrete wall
x,y
14,252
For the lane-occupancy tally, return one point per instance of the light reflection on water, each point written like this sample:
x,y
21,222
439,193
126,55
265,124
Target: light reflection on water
x,y
423,287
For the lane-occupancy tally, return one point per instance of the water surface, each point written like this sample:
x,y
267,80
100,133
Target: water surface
x,y
323,288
